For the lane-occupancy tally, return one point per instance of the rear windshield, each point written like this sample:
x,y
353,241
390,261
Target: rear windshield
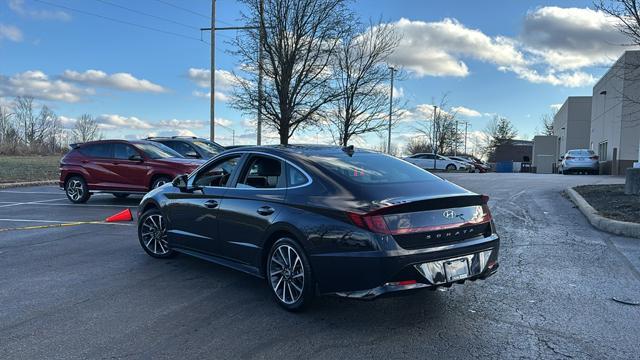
x,y
371,168
581,153
157,150
208,147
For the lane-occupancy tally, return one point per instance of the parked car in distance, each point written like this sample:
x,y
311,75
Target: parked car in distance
x,y
475,164
579,160
191,146
426,161
314,220
119,167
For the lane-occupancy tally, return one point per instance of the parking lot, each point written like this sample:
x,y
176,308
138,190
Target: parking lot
x,y
89,291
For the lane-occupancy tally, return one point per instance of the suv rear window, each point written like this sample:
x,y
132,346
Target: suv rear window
x,y
157,150
371,168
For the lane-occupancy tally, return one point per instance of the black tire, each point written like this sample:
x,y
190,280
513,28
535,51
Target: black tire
x,y
450,167
290,280
121,195
159,181
153,245
77,190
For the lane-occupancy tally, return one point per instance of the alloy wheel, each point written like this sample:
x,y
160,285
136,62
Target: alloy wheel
x,y
75,190
154,234
286,272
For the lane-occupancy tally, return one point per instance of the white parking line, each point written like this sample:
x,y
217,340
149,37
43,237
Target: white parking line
x,y
68,222
39,202
31,192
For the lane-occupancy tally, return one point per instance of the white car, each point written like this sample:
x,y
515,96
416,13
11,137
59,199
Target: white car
x,y
426,161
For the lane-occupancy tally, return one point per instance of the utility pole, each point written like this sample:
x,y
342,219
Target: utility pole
x,y
455,149
212,100
213,29
466,124
260,65
393,70
435,137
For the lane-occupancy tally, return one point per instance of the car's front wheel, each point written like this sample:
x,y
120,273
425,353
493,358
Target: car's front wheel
x,y
152,233
77,190
159,181
450,167
289,275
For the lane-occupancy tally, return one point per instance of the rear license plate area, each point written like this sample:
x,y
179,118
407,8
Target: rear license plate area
x,y
456,269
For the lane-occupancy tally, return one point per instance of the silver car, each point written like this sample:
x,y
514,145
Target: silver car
x,y
579,160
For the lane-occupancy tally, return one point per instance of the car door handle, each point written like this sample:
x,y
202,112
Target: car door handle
x,y
266,210
211,204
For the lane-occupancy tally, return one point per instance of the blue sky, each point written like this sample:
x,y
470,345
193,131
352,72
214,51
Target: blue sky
x,y
513,58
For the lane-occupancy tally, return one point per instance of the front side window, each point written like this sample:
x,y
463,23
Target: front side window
x,y
262,172
157,150
371,168
123,151
218,173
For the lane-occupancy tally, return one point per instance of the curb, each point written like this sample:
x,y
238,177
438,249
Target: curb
x,y
600,222
27,183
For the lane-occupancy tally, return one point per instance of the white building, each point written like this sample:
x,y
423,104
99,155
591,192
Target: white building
x,y
615,115
572,124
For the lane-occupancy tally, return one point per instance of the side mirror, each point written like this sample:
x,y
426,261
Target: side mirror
x,y
181,182
561,158
192,154
136,157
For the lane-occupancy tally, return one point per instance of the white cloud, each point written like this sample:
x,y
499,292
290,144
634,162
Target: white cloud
x,y
183,124
466,112
568,79
113,122
436,48
121,81
10,33
37,84
18,7
224,82
572,38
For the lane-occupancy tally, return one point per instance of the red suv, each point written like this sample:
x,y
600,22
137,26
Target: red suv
x,y
119,167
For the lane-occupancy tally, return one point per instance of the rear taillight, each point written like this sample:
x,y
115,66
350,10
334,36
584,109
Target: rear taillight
x,y
374,223
594,157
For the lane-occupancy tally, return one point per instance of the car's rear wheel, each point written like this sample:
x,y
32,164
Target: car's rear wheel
x,y
159,181
450,167
77,190
121,195
152,233
289,275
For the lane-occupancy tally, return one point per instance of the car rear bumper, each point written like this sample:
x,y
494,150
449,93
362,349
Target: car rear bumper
x,y
370,274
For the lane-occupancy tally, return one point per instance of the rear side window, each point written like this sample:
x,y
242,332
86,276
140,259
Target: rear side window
x,y
97,150
264,173
123,151
371,168
296,177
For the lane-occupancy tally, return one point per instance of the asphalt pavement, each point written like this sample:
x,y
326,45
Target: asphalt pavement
x,y
89,291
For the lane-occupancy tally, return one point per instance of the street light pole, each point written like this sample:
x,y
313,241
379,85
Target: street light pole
x,y
466,124
212,101
260,65
393,70
435,137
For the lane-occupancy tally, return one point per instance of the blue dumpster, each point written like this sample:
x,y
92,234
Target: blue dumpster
x,y
504,166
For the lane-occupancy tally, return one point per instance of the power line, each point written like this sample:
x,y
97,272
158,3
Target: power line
x,y
146,14
120,21
183,9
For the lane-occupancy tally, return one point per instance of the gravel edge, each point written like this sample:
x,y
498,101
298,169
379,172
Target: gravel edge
x,y
27,183
600,222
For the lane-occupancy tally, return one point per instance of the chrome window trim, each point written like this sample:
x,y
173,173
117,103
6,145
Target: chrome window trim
x,y
241,153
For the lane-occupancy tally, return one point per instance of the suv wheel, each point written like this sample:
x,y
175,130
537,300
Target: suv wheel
x,y
152,233
159,181
77,190
289,275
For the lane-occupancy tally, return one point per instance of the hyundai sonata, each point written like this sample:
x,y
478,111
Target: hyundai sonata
x,y
315,220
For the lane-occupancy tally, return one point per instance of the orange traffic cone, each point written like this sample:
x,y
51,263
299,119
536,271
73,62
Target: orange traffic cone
x,y
124,215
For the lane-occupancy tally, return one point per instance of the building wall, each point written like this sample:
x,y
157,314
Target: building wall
x,y
572,124
615,115
545,150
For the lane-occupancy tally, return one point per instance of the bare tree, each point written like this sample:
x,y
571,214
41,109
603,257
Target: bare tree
x,y
85,129
362,78
547,124
627,14
300,40
25,117
441,129
418,145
